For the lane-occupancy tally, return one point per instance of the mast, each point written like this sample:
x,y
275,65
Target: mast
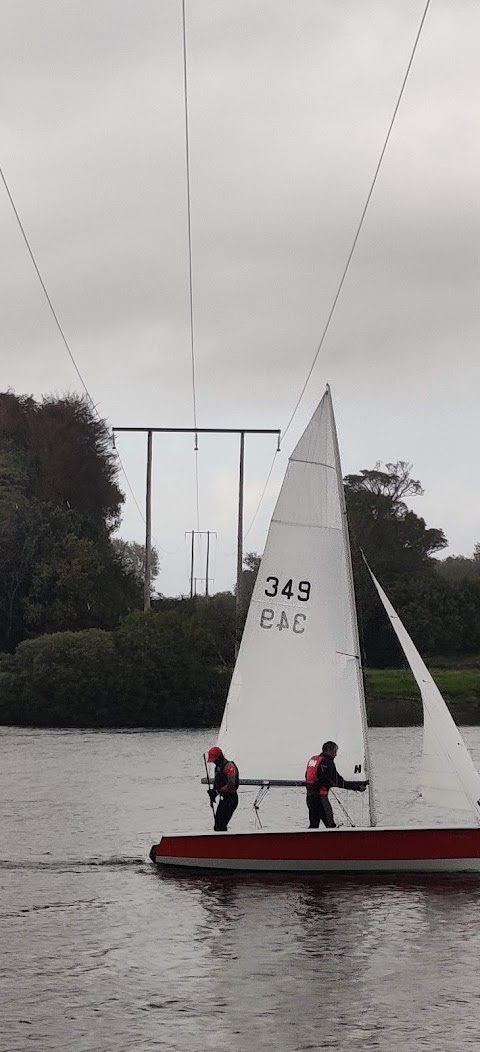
x,y
351,589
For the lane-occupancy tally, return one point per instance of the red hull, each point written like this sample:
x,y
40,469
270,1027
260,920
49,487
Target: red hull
x,y
347,850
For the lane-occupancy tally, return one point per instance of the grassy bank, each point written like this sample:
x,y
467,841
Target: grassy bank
x,y
393,698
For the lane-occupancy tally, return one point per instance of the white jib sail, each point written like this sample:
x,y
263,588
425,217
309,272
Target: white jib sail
x,y
448,776
297,680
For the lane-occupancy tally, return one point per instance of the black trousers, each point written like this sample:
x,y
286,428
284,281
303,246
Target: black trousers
x,y
320,810
228,804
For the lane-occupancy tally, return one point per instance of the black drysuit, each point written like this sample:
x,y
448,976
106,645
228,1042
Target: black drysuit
x,y
225,785
319,806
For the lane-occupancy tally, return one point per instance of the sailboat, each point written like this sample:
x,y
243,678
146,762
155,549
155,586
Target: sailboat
x,y
298,681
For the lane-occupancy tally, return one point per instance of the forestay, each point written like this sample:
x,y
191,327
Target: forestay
x,y
297,680
448,777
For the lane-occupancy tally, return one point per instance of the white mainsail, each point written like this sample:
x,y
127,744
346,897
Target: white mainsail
x,y
448,776
297,680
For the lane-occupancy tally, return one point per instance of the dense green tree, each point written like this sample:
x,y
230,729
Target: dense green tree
x,y
66,679
59,502
132,557
394,539
77,584
457,568
468,603
55,576
68,452
170,674
397,545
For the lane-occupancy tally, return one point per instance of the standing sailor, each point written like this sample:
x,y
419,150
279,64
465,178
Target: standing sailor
x,y
320,776
225,785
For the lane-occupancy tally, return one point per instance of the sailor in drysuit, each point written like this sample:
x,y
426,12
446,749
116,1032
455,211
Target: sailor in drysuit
x,y
321,775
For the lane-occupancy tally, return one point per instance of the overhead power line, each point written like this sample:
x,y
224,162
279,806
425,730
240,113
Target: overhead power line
x,y
263,493
60,329
190,259
362,217
44,287
349,257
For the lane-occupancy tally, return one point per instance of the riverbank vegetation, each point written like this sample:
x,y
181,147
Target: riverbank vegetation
x,y
171,668
76,649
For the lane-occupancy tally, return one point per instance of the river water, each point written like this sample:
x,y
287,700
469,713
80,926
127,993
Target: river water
x,y
99,952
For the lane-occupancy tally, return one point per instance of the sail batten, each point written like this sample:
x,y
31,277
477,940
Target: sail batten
x,y
306,526
320,463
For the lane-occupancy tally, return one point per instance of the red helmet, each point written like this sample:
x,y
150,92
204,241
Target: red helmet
x,y
214,753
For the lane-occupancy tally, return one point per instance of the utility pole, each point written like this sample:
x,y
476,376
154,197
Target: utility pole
x,y
242,431
206,563
193,534
192,563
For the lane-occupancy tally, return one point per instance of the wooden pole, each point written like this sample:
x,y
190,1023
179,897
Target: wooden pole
x,y
206,570
192,562
148,527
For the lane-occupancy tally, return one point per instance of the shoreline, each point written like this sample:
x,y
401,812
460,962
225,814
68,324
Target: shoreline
x,y
407,712
381,712
392,700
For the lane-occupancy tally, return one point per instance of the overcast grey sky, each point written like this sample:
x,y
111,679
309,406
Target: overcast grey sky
x,y
290,102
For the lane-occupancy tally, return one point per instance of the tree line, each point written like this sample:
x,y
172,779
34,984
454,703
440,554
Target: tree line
x,y
59,505
168,667
76,649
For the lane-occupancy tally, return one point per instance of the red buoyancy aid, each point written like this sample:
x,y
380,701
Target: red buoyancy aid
x,y
312,773
226,778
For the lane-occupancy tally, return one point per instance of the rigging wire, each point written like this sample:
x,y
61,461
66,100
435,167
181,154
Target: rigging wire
x,y
362,217
350,255
62,334
263,494
342,808
190,265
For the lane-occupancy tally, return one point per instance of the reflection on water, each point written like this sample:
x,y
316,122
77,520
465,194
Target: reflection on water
x,y
351,964
102,953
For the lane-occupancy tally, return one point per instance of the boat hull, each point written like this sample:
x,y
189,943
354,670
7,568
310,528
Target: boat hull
x,y
323,851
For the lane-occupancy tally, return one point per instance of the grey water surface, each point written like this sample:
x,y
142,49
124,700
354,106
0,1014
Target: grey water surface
x,y
99,952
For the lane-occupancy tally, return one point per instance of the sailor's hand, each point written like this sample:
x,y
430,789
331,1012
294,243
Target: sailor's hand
x,y
212,794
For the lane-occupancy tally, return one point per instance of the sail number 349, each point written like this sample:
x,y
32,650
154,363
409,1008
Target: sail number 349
x,y
301,593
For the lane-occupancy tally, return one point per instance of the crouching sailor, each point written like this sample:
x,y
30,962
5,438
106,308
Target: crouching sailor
x,y
225,785
320,776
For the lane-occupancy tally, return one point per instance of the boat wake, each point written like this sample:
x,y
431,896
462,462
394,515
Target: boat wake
x,y
68,864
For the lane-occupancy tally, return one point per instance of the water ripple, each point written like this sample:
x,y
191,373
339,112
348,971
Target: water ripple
x,y
100,952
